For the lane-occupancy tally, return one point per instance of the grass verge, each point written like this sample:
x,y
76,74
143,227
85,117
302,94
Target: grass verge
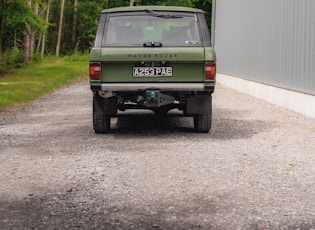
x,y
28,83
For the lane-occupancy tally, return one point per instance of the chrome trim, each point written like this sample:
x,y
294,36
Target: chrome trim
x,y
159,86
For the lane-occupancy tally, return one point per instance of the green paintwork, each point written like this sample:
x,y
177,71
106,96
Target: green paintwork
x,y
157,8
187,62
95,54
210,54
191,54
182,72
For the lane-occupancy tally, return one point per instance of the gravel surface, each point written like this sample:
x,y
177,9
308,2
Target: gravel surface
x,y
254,170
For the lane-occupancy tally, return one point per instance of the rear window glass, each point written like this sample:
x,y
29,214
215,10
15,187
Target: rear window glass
x,y
168,28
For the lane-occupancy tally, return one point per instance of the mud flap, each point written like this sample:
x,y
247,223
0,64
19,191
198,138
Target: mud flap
x,y
107,106
199,104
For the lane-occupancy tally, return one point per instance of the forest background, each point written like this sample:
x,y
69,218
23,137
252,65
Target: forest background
x,y
33,29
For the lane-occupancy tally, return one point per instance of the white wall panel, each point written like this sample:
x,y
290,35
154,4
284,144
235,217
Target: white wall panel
x,y
269,41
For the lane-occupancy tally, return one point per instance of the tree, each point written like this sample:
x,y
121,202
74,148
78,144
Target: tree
x,y
205,5
75,24
88,17
60,28
28,24
1,22
44,33
18,19
42,21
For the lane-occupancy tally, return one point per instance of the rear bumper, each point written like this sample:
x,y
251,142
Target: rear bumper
x,y
130,87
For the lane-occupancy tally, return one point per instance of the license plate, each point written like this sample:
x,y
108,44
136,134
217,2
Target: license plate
x,y
152,71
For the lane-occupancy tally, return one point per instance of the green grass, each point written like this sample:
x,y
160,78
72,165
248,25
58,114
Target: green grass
x,y
28,83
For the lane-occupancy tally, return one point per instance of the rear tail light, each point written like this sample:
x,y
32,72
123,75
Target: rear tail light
x,y
95,70
210,70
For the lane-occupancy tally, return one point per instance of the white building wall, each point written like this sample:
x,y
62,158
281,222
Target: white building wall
x,y
270,42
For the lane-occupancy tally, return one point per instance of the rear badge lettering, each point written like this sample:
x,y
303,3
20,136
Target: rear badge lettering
x,y
152,55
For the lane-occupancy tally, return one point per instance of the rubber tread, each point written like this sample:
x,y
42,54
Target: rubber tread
x,y
202,122
101,121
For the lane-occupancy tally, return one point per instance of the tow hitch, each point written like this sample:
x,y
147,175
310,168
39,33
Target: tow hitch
x,y
154,98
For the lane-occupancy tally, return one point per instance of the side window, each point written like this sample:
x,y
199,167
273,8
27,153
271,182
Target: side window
x,y
100,31
205,30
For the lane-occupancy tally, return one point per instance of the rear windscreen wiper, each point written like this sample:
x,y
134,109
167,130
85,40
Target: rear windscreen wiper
x,y
165,16
152,44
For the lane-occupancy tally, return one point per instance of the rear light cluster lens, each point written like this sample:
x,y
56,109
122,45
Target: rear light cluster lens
x,y
210,70
95,70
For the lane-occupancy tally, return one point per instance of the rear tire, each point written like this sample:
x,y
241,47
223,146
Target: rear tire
x,y
202,122
101,120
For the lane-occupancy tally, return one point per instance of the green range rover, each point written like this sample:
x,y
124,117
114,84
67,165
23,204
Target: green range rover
x,y
152,57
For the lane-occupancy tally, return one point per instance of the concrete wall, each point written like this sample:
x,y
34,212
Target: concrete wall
x,y
299,102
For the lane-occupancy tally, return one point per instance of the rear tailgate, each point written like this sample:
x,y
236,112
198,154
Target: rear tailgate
x,y
183,64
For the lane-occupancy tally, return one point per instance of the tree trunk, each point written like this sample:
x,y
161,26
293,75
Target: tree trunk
x,y
75,24
60,28
26,47
132,2
44,34
32,33
1,23
32,43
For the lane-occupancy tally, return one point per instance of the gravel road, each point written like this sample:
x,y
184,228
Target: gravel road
x,y
254,170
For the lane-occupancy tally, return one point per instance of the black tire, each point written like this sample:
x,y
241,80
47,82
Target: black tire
x,y
101,120
202,122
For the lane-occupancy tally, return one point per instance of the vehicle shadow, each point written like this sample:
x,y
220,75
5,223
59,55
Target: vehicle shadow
x,y
225,125
65,211
151,124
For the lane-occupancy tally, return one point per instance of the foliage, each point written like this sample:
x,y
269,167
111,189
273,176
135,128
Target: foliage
x,y
207,7
17,17
21,16
10,59
88,14
26,84
116,3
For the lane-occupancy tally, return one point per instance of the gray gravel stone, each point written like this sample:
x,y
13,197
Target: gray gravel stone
x,y
254,170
